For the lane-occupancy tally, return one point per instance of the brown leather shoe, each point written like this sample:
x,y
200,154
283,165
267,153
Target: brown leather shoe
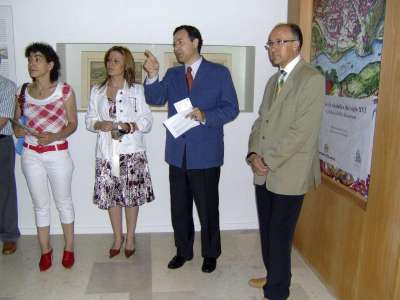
x,y
257,283
9,247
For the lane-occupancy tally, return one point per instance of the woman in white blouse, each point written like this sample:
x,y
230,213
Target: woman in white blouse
x,y
120,116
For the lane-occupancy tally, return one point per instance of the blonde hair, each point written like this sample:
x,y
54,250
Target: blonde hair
x,y
129,62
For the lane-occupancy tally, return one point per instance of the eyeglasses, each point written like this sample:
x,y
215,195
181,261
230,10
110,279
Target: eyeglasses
x,y
278,43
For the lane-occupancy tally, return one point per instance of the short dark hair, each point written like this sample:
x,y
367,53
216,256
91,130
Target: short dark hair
x,y
193,33
50,56
295,30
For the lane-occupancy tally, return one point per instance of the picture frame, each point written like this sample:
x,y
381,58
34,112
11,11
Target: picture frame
x,y
82,67
94,73
224,59
7,45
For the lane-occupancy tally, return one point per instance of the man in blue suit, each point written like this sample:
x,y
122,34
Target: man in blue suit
x,y
195,157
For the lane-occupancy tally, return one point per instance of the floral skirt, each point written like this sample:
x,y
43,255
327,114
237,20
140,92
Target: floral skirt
x,y
132,188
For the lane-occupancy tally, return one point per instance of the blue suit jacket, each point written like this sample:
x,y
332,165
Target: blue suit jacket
x,y
214,94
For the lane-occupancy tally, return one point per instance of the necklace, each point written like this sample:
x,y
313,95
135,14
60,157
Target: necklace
x,y
114,86
112,90
42,90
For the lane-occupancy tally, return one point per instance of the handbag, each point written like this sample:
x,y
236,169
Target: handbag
x,y
19,146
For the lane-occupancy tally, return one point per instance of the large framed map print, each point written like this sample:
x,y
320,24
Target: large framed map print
x,y
347,42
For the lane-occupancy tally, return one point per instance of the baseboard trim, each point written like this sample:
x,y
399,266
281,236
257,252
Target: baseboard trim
x,y
140,228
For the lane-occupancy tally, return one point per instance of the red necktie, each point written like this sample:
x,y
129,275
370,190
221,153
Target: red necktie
x,y
189,77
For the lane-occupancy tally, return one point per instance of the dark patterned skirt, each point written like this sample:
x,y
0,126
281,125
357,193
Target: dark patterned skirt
x,y
132,188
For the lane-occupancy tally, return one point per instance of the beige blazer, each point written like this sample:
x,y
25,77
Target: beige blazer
x,y
286,132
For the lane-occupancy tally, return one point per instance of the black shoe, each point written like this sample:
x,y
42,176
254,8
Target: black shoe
x,y
177,262
209,264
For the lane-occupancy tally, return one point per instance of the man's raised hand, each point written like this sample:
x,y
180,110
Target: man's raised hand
x,y
151,65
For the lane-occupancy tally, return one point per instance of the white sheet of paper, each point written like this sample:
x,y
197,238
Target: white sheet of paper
x,y
183,105
179,124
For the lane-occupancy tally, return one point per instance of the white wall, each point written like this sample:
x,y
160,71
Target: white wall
x,y
224,22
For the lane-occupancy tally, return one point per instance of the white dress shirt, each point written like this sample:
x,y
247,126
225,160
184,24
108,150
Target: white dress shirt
x,y
195,67
290,66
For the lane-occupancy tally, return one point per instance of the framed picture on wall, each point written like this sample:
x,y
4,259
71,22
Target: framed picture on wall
x,y
7,47
219,58
94,73
84,67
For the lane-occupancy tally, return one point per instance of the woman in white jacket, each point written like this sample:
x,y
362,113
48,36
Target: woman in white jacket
x,y
120,116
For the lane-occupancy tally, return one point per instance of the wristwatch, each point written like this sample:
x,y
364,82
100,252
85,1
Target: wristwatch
x,y
248,157
121,130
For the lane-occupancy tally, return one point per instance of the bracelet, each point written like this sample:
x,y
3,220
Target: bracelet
x,y
132,128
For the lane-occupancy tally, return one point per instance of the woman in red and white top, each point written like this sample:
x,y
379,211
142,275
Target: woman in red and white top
x,y
50,110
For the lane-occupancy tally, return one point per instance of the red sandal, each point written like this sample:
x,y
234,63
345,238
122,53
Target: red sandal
x,y
46,261
68,259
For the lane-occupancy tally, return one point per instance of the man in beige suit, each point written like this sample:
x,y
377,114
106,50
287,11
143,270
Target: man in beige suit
x,y
283,153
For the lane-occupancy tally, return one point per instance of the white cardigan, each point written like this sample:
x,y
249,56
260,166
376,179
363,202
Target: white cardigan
x,y
131,107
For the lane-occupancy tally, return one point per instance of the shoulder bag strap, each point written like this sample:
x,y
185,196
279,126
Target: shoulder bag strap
x,y
21,97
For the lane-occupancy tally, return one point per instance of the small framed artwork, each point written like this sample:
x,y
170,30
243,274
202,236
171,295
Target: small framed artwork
x,y
94,73
219,58
83,67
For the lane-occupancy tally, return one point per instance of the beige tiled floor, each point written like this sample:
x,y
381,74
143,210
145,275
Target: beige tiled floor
x,y
145,276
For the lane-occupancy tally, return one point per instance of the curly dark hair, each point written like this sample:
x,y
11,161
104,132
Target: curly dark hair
x,y
50,56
